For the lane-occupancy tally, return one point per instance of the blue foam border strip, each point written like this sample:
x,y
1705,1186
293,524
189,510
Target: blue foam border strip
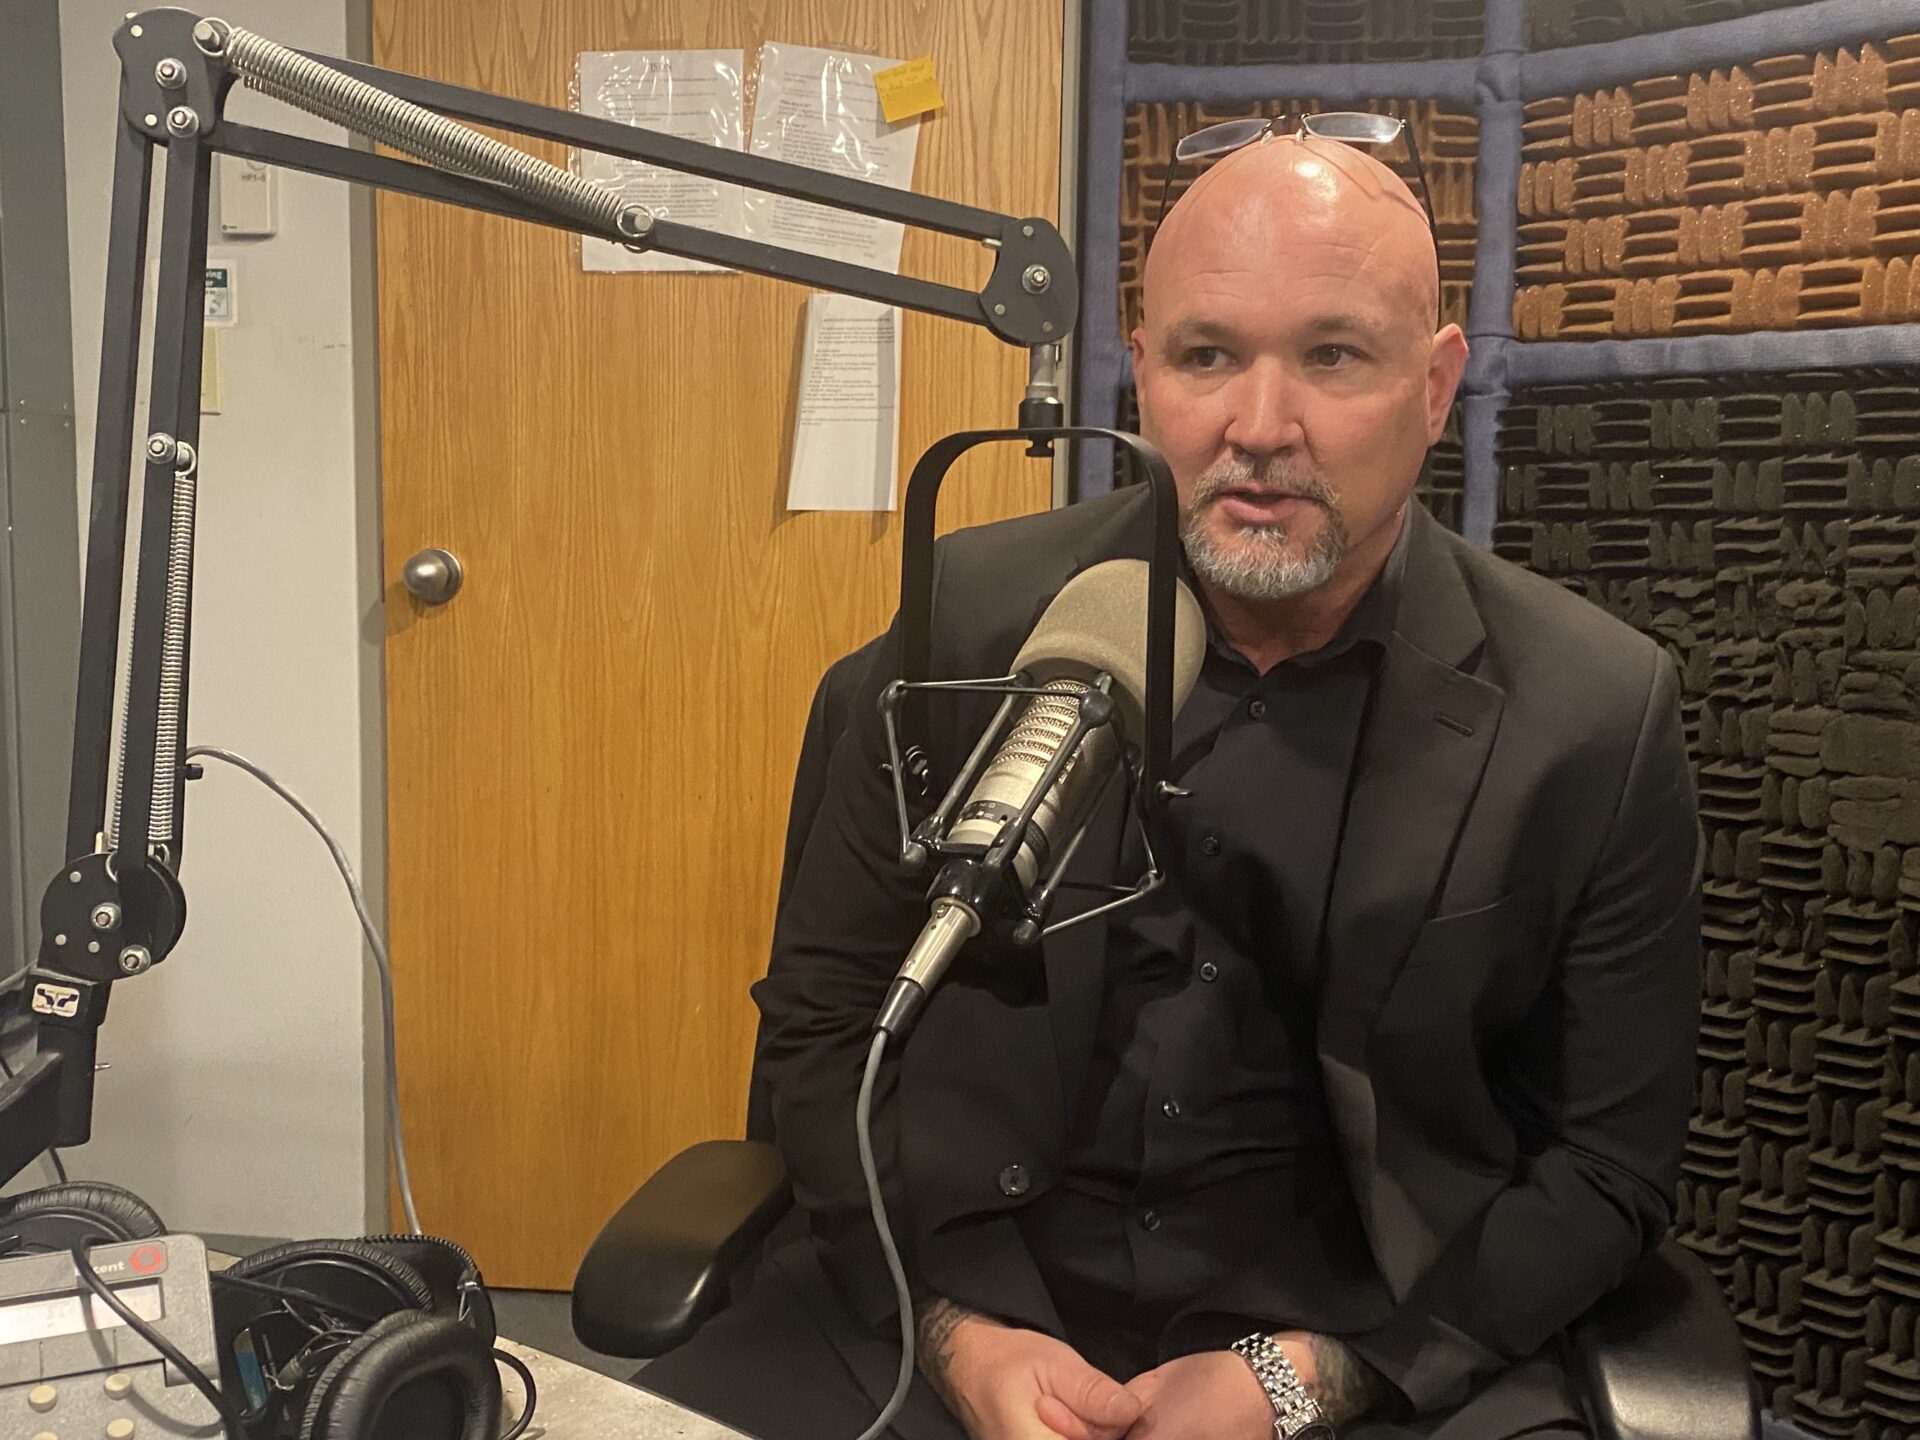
x,y
1503,27
1479,445
1497,172
1575,362
1490,305
1099,379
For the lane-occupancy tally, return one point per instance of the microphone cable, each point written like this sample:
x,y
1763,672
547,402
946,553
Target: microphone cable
x,y
876,1202
229,1421
403,1181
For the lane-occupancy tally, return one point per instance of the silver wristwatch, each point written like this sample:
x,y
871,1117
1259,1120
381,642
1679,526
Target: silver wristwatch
x,y
1296,1414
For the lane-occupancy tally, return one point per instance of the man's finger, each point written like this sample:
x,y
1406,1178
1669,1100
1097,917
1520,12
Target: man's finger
x,y
1144,1386
1097,1398
1061,1421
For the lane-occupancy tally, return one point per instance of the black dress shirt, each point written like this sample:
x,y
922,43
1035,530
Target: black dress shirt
x,y
1202,1195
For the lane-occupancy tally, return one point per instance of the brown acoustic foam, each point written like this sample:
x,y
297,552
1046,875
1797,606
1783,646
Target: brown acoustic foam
x,y
1449,143
1780,194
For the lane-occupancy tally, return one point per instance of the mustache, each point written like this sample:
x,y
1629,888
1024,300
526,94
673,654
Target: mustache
x,y
1273,481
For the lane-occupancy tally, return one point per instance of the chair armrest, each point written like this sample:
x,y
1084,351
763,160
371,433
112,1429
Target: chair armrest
x,y
1661,1359
663,1264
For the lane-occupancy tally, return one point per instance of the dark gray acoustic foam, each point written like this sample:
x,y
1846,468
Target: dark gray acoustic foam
x,y
1766,530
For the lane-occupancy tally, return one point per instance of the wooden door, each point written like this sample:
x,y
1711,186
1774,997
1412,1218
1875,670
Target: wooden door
x,y
590,748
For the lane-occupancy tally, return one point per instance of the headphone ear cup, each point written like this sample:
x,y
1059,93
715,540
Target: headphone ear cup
x,y
410,1375
348,1271
65,1217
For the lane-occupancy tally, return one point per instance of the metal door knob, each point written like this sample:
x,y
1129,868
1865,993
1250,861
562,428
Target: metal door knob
x,y
433,576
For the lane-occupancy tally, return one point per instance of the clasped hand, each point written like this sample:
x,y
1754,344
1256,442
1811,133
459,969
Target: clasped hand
x,y
1005,1383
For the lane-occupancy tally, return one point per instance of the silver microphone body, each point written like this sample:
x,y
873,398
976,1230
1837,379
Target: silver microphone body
x,y
1015,771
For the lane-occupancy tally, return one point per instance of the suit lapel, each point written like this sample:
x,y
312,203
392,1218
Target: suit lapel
x,y
1429,731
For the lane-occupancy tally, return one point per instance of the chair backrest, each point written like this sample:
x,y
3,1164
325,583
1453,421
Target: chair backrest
x,y
826,721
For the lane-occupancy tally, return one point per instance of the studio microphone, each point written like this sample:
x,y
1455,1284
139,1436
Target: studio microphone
x,y
1092,635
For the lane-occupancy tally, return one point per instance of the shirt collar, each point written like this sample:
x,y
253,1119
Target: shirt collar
x,y
1373,619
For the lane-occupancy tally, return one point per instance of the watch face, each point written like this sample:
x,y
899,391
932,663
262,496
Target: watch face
x,y
1317,1430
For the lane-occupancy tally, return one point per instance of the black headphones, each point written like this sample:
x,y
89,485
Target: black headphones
x,y
70,1216
388,1338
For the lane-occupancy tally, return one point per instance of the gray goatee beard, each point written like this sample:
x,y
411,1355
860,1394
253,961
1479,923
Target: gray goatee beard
x,y
1258,562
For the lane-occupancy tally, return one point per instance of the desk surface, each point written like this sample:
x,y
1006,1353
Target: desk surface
x,y
578,1404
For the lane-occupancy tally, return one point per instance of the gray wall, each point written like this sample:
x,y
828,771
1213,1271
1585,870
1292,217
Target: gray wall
x,y
39,569
238,1099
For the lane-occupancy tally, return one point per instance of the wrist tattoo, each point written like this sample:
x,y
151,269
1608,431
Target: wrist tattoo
x,y
934,1324
1344,1385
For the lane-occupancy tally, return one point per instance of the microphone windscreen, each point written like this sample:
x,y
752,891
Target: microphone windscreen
x,y
1098,622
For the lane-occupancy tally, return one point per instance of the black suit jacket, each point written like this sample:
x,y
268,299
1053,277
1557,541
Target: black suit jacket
x,y
1511,995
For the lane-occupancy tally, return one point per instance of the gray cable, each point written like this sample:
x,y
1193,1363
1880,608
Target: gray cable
x,y
863,1120
401,1177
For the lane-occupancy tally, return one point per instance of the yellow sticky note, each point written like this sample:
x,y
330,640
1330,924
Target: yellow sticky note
x,y
908,90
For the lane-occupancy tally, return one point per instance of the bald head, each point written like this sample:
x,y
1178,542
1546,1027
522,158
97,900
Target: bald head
x,y
1279,196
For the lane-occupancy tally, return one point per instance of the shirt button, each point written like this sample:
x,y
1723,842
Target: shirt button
x,y
1258,709
1209,971
1209,844
1151,1219
1170,1108
1014,1182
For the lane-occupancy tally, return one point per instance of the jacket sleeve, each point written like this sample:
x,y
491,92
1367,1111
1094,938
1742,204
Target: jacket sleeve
x,y
1599,1081
848,919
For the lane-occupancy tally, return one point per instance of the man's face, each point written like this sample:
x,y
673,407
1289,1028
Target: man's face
x,y
1288,367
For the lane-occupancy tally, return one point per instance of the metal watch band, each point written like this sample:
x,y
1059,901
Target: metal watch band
x,y
1296,1414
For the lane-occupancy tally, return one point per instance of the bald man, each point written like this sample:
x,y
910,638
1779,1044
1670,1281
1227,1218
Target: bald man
x,y
1339,1129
